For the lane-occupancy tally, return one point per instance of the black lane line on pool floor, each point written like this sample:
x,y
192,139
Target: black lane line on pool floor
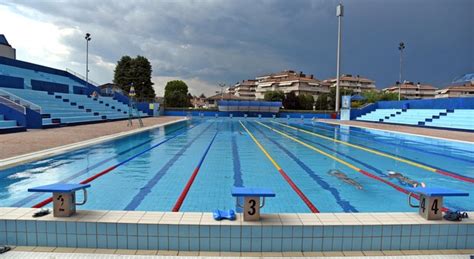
x,y
145,190
390,155
345,205
85,171
362,134
238,181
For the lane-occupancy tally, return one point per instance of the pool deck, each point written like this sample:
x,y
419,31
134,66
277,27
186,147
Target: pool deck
x,y
426,132
276,235
26,146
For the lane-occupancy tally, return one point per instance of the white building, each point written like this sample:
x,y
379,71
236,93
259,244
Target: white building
x,y
466,90
409,90
289,81
245,89
357,83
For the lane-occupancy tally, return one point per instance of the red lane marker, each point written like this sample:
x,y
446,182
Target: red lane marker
x,y
459,177
90,179
185,191
396,187
299,192
181,198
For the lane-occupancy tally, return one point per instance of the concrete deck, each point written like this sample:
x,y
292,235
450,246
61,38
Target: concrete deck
x,y
436,133
21,143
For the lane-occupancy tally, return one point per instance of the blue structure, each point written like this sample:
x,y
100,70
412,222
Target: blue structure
x,y
35,96
447,113
249,106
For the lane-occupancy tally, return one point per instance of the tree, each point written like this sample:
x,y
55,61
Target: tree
x,y
202,96
176,94
274,96
291,101
137,72
322,101
305,102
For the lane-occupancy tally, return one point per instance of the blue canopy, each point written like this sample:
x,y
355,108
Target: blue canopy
x,y
357,97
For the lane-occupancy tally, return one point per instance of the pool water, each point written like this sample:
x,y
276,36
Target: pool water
x,y
153,170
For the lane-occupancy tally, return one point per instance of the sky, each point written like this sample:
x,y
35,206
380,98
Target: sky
x,y
209,42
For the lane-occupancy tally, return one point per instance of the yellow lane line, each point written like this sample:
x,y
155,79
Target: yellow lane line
x,y
312,148
431,169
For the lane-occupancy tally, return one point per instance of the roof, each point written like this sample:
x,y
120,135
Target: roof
x,y
225,96
457,88
3,40
352,79
411,86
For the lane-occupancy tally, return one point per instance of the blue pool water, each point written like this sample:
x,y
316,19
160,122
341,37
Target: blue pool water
x,y
155,166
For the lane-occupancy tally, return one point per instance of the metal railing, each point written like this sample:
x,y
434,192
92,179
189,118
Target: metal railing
x,y
81,76
12,104
20,101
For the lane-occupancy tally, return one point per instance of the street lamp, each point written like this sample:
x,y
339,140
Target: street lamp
x,y
222,90
401,47
88,38
339,14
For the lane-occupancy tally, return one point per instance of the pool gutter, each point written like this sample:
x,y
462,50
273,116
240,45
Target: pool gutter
x,y
16,160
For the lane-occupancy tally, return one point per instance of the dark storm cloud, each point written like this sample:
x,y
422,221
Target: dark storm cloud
x,y
233,40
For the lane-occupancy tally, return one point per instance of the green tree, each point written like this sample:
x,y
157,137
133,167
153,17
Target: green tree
x,y
137,72
274,96
305,102
322,101
176,94
291,101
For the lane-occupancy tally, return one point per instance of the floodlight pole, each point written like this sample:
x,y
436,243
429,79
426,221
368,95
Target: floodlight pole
x,y
401,47
222,90
88,38
339,14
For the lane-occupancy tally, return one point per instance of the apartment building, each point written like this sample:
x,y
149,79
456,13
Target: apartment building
x,y
245,89
410,90
356,84
289,81
466,90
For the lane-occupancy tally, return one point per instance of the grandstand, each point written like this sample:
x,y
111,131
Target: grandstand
x,y
34,96
452,113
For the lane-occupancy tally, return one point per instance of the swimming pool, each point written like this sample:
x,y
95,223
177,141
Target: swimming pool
x,y
192,166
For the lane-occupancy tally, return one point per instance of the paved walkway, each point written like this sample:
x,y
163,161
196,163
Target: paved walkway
x,y
21,143
437,133
149,254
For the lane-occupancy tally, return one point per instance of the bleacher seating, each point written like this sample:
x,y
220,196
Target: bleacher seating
x,y
63,108
415,116
7,126
442,118
378,115
458,119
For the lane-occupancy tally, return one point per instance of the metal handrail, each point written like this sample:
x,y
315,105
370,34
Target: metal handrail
x,y
12,104
21,101
80,76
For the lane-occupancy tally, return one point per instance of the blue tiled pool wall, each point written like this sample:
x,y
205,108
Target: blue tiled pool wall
x,y
235,238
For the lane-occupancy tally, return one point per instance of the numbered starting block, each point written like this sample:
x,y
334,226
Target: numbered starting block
x,y
431,200
251,207
64,197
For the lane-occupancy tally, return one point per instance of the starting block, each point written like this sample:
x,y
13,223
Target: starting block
x,y
64,197
431,200
251,206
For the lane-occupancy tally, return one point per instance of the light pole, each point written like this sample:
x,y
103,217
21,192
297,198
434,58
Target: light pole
x,y
88,38
401,47
222,90
339,14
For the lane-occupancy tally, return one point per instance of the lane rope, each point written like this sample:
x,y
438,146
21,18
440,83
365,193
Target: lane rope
x,y
403,160
108,170
355,168
283,173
